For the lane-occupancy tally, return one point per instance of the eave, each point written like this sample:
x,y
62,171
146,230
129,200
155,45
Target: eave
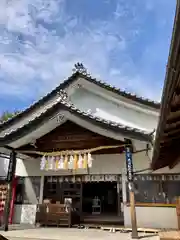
x,y
166,150
68,107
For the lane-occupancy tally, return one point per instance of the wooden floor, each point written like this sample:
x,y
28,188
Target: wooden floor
x,y
169,235
103,219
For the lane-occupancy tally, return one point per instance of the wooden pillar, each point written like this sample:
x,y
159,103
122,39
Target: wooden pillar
x,y
178,211
81,200
118,195
41,190
130,178
133,214
10,177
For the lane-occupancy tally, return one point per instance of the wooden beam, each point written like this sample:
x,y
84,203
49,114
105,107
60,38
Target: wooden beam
x,y
171,133
173,117
171,81
177,90
74,145
175,103
175,98
70,138
134,234
168,156
175,107
169,139
171,126
174,162
168,146
69,142
160,164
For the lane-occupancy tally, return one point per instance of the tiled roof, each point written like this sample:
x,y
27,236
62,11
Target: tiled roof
x,y
125,94
168,130
66,83
71,108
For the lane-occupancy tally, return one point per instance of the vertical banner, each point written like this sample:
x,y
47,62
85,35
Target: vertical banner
x,y
129,164
12,167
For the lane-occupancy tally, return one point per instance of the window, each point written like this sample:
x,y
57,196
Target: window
x,y
156,188
52,189
28,190
59,188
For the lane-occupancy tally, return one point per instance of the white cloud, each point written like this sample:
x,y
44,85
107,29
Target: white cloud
x,y
38,47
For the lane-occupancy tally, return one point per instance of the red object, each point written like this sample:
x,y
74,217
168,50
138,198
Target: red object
x,y
11,213
3,195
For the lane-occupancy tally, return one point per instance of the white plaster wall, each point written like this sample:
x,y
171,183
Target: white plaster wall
x,y
112,164
152,217
25,214
107,163
86,100
4,163
102,164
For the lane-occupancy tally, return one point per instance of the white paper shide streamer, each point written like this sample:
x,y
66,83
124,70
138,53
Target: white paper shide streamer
x,y
80,161
51,163
90,159
43,163
57,162
70,163
61,162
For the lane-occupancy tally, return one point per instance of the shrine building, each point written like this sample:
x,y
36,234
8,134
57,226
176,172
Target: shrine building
x,y
71,144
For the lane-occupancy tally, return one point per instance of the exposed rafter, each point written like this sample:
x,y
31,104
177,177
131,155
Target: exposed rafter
x,y
166,145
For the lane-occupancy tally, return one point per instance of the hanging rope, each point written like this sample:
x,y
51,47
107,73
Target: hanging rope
x,y
70,152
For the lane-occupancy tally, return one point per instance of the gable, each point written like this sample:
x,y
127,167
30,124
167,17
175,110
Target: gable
x,y
115,110
71,85
61,112
70,136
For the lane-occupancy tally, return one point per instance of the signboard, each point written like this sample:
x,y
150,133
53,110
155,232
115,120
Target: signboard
x,y
11,167
100,178
129,164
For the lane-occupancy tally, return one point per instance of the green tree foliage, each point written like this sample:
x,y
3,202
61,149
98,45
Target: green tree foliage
x,y
7,115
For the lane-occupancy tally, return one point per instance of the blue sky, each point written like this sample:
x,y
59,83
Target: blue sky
x,y
123,42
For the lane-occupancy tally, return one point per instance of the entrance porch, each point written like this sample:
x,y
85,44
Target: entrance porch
x,y
101,203
102,180
64,131
97,197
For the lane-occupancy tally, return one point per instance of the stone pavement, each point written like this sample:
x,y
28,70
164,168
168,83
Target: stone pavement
x,y
69,234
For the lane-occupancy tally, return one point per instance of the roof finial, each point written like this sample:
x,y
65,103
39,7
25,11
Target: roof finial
x,y
63,94
79,67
